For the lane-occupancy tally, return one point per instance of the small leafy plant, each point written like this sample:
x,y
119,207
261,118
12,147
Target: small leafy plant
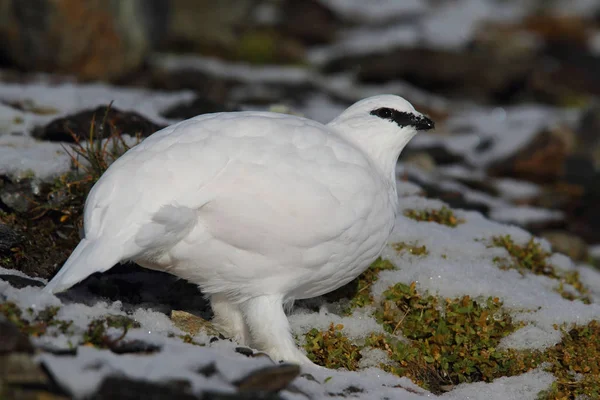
x,y
444,216
332,349
532,258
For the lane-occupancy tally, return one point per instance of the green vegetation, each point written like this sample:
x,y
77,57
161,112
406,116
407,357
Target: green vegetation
x,y
411,248
332,349
363,294
97,336
49,227
444,216
39,324
532,258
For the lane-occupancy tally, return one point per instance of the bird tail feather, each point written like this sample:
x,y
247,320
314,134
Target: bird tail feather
x,y
89,256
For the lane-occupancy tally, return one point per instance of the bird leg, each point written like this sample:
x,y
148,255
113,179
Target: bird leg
x,y
229,320
270,330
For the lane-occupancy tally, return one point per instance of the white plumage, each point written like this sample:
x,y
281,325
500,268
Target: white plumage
x,y
256,208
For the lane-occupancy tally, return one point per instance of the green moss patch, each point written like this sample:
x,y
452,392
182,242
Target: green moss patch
x,y
363,294
411,248
37,325
49,225
451,341
444,216
96,334
332,349
575,362
532,258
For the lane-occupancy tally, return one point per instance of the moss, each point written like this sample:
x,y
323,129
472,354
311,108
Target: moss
x,y
39,323
411,248
532,258
451,341
363,294
575,362
257,47
444,216
50,227
96,334
332,349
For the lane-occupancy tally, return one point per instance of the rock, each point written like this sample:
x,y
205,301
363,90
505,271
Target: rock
x,y
21,369
116,387
207,26
12,340
192,324
244,351
19,282
92,39
308,20
541,161
134,346
588,140
131,123
568,244
198,106
18,195
473,74
269,379
8,238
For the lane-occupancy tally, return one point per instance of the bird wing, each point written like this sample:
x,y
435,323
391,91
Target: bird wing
x,y
257,183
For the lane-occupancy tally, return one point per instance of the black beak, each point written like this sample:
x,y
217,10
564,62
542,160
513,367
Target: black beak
x,y
423,123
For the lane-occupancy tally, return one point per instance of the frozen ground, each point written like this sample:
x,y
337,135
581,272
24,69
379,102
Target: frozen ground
x,y
459,263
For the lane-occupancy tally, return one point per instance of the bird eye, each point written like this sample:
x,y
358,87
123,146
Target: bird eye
x,y
384,113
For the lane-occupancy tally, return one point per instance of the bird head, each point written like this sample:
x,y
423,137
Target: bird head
x,y
381,126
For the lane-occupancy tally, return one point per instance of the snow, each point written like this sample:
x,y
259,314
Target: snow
x,y
525,215
243,72
375,11
23,154
460,262
512,189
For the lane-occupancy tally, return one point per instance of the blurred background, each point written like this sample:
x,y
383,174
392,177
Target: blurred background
x,y
513,87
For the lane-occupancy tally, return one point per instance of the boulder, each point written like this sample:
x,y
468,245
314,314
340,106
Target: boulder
x,y
92,39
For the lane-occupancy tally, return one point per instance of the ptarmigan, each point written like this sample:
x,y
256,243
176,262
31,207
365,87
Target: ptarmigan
x,y
256,208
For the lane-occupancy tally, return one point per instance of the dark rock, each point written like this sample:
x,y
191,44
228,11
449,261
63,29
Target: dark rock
x,y
8,238
198,106
16,196
308,20
117,121
541,161
12,340
92,39
579,170
208,370
568,244
115,387
473,74
20,282
245,351
207,26
269,379
134,346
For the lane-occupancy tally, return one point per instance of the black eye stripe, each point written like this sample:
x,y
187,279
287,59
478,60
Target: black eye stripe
x,y
402,118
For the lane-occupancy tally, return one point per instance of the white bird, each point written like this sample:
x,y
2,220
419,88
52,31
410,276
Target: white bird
x,y
256,208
